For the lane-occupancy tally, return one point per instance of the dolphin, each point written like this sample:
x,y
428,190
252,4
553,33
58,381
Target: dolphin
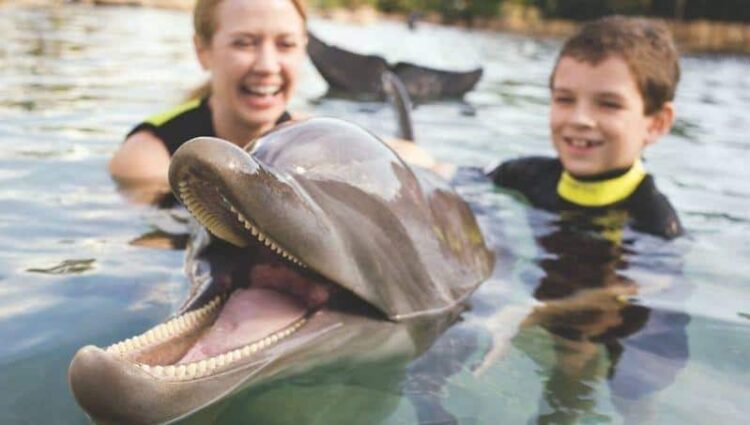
x,y
401,102
354,73
323,249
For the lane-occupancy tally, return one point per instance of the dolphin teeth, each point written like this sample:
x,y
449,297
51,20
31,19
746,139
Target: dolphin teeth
x,y
191,370
169,371
177,326
204,367
215,221
221,360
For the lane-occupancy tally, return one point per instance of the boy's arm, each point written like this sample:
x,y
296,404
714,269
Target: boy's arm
x,y
504,325
652,212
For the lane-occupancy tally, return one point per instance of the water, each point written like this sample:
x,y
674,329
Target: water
x,y
74,79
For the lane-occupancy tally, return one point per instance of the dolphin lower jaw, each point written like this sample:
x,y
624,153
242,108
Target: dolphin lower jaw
x,y
113,389
146,375
158,351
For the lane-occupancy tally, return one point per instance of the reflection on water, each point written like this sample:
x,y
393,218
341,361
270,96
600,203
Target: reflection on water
x,y
78,263
66,267
633,350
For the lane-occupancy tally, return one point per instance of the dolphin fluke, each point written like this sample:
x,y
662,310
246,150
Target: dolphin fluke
x,y
429,83
346,71
357,74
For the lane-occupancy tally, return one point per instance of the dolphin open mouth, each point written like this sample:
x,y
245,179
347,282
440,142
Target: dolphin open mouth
x,y
266,300
329,251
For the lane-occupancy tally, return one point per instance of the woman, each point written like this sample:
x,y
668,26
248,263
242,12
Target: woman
x,y
253,50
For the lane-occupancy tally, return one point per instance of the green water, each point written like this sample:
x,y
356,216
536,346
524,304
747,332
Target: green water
x,y
74,79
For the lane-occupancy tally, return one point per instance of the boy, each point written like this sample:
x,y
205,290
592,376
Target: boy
x,y
612,91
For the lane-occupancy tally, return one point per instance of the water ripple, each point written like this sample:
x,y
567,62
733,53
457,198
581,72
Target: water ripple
x,y
66,267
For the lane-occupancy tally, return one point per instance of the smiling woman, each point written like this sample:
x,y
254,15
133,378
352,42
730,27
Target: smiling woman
x,y
252,50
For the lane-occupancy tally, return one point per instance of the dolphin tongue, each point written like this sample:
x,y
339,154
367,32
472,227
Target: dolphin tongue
x,y
247,316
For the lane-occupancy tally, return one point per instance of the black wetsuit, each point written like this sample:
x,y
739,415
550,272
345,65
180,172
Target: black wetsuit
x,y
537,178
184,122
584,247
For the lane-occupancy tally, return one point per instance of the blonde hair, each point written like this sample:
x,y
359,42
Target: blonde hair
x,y
204,25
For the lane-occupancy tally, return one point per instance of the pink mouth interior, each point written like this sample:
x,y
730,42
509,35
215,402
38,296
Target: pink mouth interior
x,y
247,316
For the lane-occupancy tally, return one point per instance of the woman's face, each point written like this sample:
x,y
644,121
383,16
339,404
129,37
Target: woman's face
x,y
254,58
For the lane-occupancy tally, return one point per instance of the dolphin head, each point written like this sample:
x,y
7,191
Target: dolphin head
x,y
329,195
331,244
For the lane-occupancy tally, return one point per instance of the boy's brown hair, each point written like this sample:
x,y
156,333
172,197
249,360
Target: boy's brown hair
x,y
646,45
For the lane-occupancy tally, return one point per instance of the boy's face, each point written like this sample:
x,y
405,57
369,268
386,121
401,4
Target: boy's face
x,y
597,116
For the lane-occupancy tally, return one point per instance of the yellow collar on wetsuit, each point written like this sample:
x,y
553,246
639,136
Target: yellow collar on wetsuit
x,y
160,118
600,193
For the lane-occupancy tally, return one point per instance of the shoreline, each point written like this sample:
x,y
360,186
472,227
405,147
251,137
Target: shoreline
x,y
691,37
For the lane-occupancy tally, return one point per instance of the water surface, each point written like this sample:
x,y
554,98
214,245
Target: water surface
x,y
74,79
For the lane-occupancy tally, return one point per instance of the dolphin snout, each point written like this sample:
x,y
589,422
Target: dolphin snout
x,y
210,156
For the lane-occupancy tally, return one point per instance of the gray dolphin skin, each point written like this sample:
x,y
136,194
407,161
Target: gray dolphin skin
x,y
326,251
353,73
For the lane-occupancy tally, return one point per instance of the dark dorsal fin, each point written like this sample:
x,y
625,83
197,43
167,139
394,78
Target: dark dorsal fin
x,y
398,96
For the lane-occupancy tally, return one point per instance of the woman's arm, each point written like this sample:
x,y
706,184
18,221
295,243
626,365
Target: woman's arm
x,y
140,167
414,154
142,157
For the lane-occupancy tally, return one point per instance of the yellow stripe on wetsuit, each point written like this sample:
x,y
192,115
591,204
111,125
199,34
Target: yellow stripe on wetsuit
x,y
162,117
600,193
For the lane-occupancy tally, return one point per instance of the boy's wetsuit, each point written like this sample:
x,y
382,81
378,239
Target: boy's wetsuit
x,y
542,181
184,122
583,247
